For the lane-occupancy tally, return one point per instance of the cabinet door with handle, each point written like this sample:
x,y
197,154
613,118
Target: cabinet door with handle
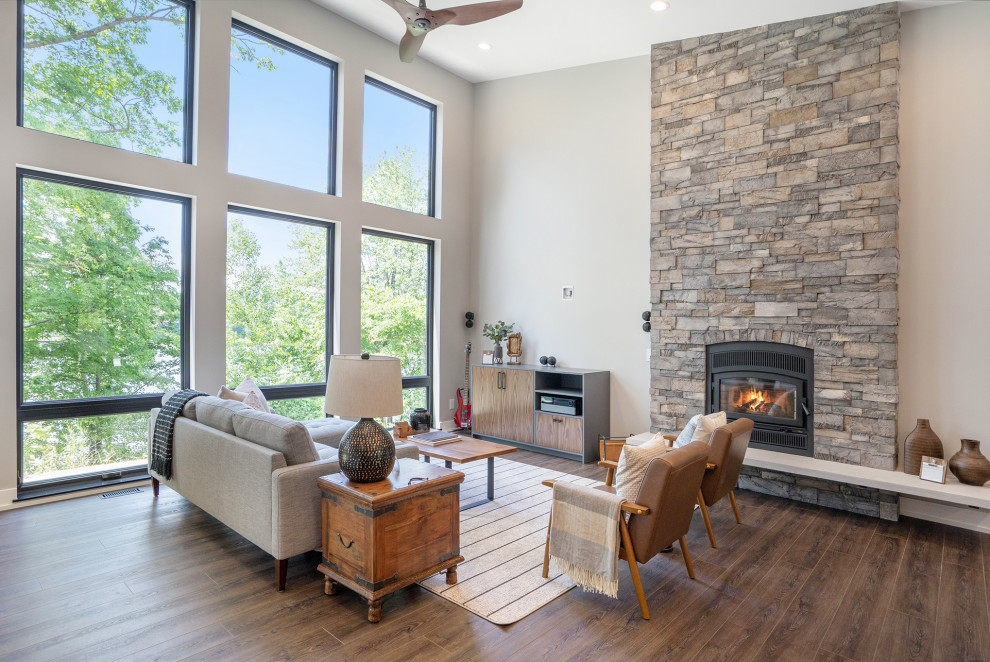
x,y
518,392
486,401
563,433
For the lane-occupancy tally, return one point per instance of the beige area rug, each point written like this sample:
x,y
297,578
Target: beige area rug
x,y
502,543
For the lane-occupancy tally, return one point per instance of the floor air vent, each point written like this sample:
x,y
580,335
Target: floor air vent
x,y
110,495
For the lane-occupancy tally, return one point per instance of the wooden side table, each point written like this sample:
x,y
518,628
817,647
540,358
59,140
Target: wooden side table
x,y
380,537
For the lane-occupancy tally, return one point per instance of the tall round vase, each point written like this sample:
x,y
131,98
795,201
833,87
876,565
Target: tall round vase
x,y
969,465
922,441
497,353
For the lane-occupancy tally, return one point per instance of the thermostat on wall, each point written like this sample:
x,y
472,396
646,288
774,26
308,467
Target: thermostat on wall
x,y
567,293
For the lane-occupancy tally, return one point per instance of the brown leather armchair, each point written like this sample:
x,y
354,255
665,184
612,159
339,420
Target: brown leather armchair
x,y
661,514
727,449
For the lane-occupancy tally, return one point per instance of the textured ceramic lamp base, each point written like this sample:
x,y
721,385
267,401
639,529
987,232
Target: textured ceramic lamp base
x,y
367,452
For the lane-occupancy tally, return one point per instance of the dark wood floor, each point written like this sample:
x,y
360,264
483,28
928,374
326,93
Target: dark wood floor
x,y
131,578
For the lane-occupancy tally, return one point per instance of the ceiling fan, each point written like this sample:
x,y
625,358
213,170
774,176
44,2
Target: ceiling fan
x,y
421,20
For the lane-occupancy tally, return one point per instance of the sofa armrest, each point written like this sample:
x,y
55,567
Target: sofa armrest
x,y
296,507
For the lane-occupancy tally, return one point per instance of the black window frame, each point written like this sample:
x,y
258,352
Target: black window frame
x,y
314,389
419,381
334,94
105,405
190,83
432,158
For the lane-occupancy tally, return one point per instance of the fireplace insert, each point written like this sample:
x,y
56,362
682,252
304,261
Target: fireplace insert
x,y
770,383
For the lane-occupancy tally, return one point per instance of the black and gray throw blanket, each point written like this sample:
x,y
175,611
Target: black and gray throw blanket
x,y
161,443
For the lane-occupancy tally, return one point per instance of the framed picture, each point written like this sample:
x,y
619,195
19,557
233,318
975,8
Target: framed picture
x,y
933,469
488,357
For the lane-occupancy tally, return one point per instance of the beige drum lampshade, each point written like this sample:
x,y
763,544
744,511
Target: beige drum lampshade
x,y
364,387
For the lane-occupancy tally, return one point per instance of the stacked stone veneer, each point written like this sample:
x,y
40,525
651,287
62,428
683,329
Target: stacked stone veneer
x,y
774,215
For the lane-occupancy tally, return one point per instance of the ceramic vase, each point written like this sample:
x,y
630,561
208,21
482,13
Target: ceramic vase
x,y
497,354
419,420
921,441
969,465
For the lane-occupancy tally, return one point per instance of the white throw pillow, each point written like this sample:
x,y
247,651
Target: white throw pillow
x,y
633,463
684,438
245,389
707,425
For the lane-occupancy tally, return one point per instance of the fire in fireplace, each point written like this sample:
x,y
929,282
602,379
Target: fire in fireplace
x,y
770,383
755,395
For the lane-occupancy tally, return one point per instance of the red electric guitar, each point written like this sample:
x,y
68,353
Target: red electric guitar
x,y
462,417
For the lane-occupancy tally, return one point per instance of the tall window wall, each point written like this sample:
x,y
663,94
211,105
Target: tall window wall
x,y
103,273
103,307
114,72
399,149
279,308
397,308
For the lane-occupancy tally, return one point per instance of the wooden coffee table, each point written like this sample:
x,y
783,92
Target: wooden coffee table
x,y
468,449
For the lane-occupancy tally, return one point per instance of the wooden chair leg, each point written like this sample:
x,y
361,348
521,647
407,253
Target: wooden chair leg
x,y
633,567
281,568
546,550
609,477
735,508
687,557
704,514
154,487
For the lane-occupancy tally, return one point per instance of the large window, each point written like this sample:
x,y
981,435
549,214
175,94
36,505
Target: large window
x,y
279,305
282,105
397,308
399,149
103,322
113,72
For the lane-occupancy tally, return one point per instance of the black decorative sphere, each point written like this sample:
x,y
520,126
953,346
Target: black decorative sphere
x,y
543,360
552,360
647,327
469,323
367,452
646,316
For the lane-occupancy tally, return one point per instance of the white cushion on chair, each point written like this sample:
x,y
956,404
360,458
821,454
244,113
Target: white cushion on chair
x,y
707,425
633,463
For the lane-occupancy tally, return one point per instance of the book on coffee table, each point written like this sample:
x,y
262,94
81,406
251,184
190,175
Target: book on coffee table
x,y
435,438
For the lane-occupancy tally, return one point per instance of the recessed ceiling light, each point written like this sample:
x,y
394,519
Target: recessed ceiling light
x,y
659,5
484,45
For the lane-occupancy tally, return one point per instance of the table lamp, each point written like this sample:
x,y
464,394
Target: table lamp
x,y
365,387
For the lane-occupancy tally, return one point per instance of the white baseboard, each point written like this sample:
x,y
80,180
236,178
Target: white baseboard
x,y
7,501
966,517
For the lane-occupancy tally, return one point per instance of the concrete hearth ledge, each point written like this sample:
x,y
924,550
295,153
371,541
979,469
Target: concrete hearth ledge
x,y
952,492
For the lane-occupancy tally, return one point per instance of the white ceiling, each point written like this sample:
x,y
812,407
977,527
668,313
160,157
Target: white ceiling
x,y
553,34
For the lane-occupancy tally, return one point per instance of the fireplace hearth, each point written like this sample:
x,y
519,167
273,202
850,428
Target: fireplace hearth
x,y
770,383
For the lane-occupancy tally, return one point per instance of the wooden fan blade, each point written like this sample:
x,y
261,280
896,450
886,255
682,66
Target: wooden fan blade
x,y
482,11
408,12
410,45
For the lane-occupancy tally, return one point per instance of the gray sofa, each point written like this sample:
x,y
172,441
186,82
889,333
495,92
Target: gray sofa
x,y
256,472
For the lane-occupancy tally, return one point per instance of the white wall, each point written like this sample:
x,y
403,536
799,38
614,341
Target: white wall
x,y
944,282
562,165
212,188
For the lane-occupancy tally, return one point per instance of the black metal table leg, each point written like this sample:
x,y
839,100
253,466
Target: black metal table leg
x,y
448,464
491,486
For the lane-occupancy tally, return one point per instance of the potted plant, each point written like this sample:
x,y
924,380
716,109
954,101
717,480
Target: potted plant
x,y
497,333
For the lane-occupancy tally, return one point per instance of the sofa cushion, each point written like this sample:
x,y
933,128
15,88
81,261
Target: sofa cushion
x,y
219,414
328,431
325,452
289,437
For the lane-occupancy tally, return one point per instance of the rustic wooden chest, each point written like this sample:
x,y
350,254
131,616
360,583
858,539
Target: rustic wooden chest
x,y
380,537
